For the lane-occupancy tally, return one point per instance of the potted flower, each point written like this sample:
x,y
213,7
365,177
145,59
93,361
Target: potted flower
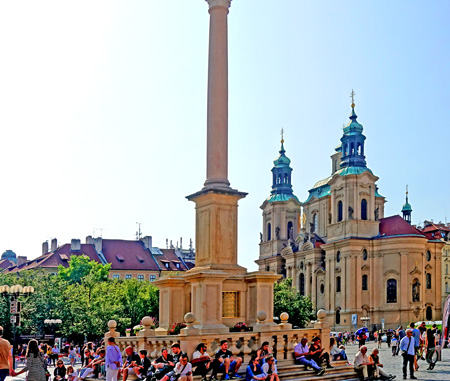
x,y
175,330
128,332
137,328
240,327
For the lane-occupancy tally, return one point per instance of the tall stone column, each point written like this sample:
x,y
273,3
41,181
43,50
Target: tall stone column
x,y
217,114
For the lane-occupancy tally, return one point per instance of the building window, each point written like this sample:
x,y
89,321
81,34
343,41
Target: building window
x,y
338,284
152,278
446,286
269,231
140,278
340,211
338,256
178,265
429,313
322,288
116,276
290,230
428,255
364,209
446,269
230,304
364,254
315,223
338,317
128,276
391,291
428,277
415,290
301,284
364,282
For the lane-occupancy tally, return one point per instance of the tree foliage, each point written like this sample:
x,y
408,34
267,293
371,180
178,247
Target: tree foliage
x,y
288,299
83,297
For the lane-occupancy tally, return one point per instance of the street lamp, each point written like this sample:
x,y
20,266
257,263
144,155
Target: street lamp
x,y
13,293
52,323
365,319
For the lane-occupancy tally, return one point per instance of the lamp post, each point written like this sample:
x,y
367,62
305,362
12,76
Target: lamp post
x,y
13,293
53,323
365,320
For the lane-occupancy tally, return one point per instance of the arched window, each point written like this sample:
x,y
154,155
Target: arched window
x,y
345,149
290,230
364,254
364,282
446,269
352,148
338,256
364,209
429,313
391,291
428,255
322,288
267,268
338,284
338,317
269,231
315,224
428,276
340,211
301,285
415,289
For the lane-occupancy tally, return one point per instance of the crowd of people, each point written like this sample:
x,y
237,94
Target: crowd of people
x,y
106,361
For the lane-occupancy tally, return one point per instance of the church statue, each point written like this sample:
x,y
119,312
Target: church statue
x,y
350,213
291,233
311,227
377,214
277,232
260,238
416,291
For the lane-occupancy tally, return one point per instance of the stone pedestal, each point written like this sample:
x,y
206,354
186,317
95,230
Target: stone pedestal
x,y
171,302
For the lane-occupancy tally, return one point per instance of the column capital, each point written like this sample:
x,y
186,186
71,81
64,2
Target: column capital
x,y
219,3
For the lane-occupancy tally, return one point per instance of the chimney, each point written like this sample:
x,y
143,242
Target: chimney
x,y
147,240
21,259
89,240
45,248
75,245
98,244
54,244
181,243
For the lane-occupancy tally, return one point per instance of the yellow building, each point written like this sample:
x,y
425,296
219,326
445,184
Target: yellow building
x,y
346,255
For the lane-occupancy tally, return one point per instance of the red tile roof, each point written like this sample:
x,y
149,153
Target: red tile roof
x,y
435,227
5,263
171,259
395,226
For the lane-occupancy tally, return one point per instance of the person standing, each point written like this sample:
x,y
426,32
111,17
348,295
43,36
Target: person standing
x,y
113,360
417,339
431,348
408,352
35,364
6,359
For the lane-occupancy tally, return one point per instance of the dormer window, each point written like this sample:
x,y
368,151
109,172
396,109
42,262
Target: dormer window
x,y
140,259
120,258
167,265
178,265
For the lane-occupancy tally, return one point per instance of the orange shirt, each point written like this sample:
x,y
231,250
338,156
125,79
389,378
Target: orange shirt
x,y
5,350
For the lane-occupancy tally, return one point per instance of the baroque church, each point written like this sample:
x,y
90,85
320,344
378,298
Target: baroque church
x,y
340,249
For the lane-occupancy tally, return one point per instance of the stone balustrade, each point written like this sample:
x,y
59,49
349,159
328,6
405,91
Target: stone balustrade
x,y
281,337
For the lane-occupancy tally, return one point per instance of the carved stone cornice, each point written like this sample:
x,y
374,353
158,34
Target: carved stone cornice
x,y
219,3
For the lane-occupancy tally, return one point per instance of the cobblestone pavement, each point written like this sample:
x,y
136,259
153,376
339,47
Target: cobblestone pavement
x,y
393,364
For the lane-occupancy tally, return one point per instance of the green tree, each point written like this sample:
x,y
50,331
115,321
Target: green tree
x,y
288,299
82,269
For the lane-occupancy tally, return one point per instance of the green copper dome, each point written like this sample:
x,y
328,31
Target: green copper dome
x,y
407,207
282,160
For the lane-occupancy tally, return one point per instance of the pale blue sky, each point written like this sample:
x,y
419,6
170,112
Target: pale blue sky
x,y
103,109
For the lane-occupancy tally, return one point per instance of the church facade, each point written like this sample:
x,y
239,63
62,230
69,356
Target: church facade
x,y
341,250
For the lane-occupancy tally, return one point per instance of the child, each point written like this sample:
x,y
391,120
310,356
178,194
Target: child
x,y
71,373
394,344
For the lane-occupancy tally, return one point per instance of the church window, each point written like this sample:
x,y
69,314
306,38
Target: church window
x,y
415,290
364,209
359,149
290,230
352,148
315,224
338,284
391,291
446,269
322,288
340,211
364,254
301,285
301,265
345,149
428,278
338,317
429,313
338,256
364,282
267,268
428,255
269,231
446,286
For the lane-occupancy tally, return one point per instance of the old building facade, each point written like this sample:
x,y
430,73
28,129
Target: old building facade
x,y
344,253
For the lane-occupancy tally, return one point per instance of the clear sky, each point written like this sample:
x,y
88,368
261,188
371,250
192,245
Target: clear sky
x,y
103,110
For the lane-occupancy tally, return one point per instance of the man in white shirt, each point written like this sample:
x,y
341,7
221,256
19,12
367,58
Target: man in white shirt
x,y
362,361
301,352
183,369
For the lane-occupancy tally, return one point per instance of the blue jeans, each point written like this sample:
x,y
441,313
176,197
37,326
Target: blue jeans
x,y
3,374
221,367
303,361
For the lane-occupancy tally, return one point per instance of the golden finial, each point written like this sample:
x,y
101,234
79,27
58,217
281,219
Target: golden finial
x,y
282,135
407,189
352,95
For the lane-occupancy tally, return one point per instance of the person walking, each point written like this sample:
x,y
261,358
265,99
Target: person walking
x,y
113,360
416,333
6,359
430,342
408,352
35,364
